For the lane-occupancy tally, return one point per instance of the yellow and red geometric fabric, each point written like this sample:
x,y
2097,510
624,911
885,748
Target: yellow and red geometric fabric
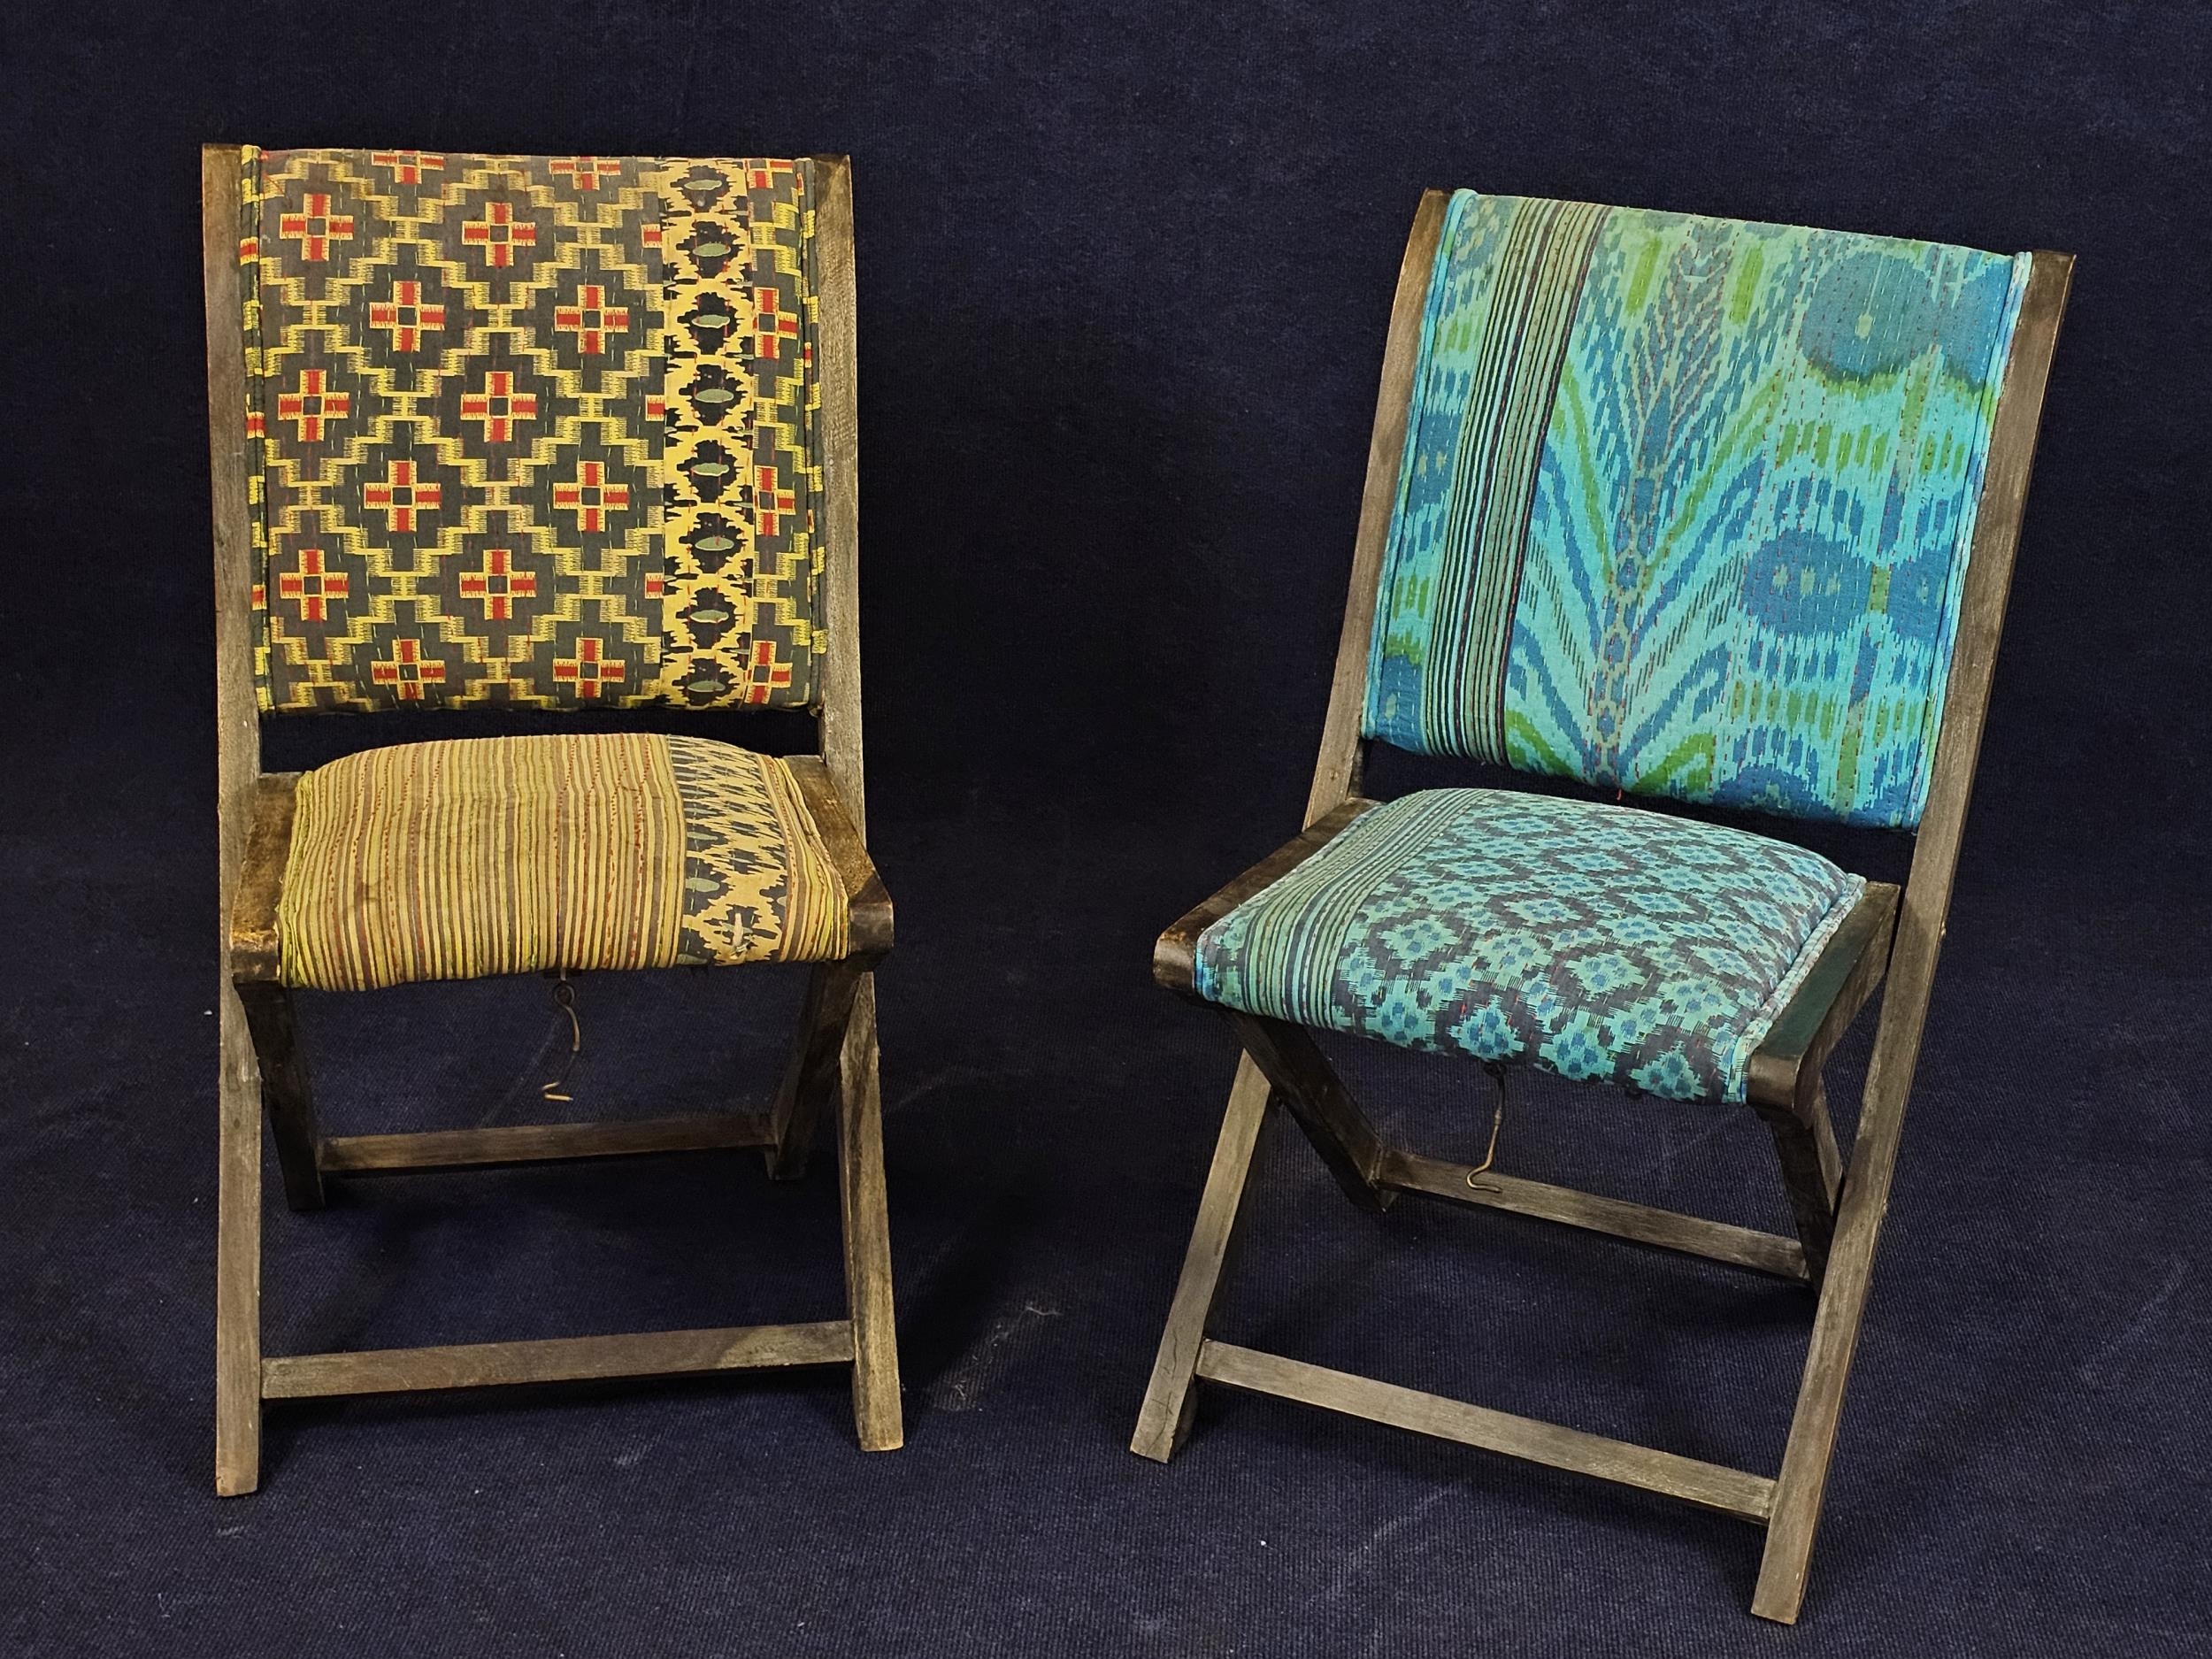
x,y
537,431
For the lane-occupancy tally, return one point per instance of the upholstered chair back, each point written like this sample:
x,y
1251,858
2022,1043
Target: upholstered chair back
x,y
1685,503
532,430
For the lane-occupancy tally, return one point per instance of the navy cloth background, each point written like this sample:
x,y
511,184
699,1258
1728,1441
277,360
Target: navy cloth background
x,y
1125,275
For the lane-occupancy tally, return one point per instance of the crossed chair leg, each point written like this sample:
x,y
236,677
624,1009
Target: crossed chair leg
x,y
1838,1218
833,1053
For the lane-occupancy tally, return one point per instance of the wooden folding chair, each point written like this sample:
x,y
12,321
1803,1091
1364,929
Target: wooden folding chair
x,y
1641,487
568,433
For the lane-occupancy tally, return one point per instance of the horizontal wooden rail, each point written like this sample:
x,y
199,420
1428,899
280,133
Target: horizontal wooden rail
x,y
557,1359
434,1150
1708,1486
1667,1229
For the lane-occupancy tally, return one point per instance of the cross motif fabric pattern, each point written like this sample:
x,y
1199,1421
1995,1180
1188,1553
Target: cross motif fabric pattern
x,y
312,587
499,406
405,317
315,226
312,405
506,447
498,584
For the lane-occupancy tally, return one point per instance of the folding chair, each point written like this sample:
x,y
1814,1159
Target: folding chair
x,y
1685,508
566,434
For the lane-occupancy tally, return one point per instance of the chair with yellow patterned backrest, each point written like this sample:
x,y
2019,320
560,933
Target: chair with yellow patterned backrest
x,y
1686,509
557,433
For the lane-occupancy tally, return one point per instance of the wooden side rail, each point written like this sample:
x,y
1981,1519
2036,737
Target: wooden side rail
x,y
557,1359
1663,1229
1708,1485
434,1149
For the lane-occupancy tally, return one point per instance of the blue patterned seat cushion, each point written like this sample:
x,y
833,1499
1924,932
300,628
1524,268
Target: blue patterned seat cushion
x,y
1603,942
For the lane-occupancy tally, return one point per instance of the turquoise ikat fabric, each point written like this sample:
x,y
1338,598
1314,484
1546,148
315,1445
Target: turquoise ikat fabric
x,y
1604,942
1685,503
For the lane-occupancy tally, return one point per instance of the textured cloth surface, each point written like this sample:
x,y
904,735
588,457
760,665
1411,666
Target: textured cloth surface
x,y
533,430
1595,941
1117,399
1685,503
463,859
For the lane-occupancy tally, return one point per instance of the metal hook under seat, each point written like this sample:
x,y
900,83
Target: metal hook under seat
x,y
1497,1121
565,999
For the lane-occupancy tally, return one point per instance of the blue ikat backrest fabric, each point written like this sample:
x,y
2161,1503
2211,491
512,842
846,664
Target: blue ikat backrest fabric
x,y
1685,503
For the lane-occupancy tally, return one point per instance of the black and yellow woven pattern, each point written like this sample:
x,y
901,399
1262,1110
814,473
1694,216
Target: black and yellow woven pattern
x,y
740,473
532,430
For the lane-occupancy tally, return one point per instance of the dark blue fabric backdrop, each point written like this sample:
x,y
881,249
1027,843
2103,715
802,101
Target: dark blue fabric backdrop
x,y
1125,275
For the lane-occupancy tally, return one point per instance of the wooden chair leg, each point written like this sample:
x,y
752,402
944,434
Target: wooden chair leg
x,y
810,1073
1323,1107
1803,1481
285,1093
237,1260
876,1411
1812,1170
1163,1421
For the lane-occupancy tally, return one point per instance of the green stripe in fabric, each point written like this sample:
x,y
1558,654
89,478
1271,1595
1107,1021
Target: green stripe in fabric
x,y
1539,280
1293,941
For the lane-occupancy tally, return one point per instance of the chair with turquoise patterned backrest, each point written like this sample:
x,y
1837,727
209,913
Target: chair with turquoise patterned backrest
x,y
1690,510
574,435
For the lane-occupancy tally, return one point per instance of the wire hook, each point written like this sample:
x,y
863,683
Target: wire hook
x,y
1497,1121
565,999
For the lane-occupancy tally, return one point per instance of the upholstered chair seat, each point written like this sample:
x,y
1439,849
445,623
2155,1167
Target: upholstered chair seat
x,y
453,860
1600,942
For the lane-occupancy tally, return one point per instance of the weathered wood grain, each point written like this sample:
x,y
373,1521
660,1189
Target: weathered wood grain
x,y
1663,1229
1708,1485
555,1359
237,763
877,1415
256,951
810,1074
1807,1029
1805,1148
1336,773
838,427
1164,1421
285,1095
868,905
1319,1103
429,1151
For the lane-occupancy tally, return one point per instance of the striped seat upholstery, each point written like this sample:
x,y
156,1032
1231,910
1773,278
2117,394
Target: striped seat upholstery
x,y
459,859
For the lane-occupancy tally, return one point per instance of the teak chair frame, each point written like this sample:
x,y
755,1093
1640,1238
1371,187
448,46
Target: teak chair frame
x,y
1890,943
834,1051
